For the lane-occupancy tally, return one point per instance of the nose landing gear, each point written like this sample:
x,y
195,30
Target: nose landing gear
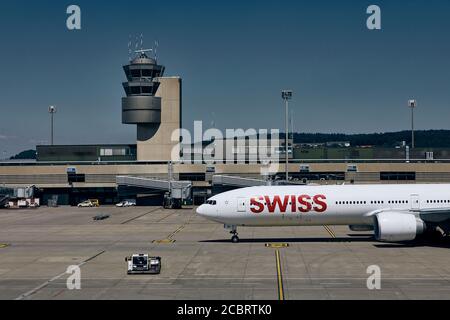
x,y
234,238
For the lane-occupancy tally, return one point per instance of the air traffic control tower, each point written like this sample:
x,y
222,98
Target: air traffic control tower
x,y
153,103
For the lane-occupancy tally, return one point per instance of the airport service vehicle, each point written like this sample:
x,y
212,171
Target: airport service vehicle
x,y
22,203
395,213
89,204
126,203
101,217
95,202
143,264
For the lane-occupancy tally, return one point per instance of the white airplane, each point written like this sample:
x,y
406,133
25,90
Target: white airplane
x,y
396,213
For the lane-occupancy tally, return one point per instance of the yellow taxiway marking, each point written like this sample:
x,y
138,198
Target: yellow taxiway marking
x,y
279,276
164,241
175,232
330,231
277,245
169,239
3,245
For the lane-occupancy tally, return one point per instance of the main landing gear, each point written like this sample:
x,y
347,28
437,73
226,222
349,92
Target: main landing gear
x,y
234,238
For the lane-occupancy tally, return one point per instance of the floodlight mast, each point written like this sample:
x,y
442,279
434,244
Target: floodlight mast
x,y
412,104
287,95
52,111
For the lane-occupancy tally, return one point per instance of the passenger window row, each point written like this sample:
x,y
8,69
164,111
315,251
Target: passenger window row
x,y
351,202
389,202
398,201
438,201
374,202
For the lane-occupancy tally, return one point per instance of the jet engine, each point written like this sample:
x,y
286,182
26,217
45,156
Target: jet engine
x,y
393,226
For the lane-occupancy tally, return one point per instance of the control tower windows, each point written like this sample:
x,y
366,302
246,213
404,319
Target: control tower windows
x,y
135,90
147,73
146,90
136,73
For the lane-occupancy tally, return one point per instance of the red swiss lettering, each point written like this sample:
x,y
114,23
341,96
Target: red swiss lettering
x,y
256,206
293,204
272,205
321,205
305,204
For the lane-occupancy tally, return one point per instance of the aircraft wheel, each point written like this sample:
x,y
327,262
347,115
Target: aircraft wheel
x,y
235,239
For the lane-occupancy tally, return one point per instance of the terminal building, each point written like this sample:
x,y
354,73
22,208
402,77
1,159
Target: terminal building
x,y
154,166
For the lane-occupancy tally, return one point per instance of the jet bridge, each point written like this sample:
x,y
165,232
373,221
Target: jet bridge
x,y
175,192
3,200
5,195
222,183
237,181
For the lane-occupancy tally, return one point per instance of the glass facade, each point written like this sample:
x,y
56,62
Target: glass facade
x,y
87,153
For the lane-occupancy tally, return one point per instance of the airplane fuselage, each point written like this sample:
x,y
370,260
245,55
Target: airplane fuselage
x,y
319,205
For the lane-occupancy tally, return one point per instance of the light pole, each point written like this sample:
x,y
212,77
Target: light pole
x,y
52,111
287,95
412,104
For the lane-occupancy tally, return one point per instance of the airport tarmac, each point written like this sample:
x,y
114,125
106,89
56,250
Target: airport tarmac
x,y
199,261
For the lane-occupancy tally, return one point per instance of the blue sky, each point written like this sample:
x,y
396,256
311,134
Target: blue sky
x,y
234,58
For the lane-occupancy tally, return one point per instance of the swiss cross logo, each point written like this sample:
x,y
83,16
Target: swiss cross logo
x,y
303,203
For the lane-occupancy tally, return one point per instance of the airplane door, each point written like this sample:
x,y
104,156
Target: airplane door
x,y
241,205
415,202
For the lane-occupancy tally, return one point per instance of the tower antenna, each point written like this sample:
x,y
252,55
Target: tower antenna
x,y
213,122
129,48
142,51
156,50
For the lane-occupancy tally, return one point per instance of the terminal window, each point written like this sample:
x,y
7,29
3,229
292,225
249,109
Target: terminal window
x,y
318,175
113,152
397,176
74,177
106,152
192,176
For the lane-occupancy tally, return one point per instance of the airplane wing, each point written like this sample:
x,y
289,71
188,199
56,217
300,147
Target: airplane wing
x,y
434,215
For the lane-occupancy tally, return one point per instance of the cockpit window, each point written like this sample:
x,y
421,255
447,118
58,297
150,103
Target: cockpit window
x,y
211,202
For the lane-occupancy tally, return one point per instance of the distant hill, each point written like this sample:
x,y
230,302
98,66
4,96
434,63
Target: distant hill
x,y
423,139
25,155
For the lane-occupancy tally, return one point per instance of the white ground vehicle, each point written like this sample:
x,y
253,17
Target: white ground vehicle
x,y
86,204
143,264
126,203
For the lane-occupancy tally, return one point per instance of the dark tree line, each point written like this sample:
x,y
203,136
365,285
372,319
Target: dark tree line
x,y
423,139
25,155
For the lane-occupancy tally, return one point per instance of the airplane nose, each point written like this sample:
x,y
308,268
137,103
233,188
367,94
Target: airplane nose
x,y
201,210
